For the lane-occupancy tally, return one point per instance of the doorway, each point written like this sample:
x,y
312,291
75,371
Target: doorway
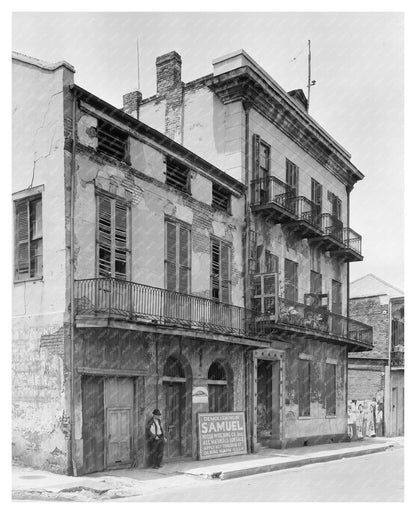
x,y
264,400
174,382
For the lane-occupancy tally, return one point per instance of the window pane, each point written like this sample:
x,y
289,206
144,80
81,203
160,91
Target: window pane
x,y
183,246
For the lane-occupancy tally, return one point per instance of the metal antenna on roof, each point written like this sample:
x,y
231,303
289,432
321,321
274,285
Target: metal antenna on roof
x,y
310,82
138,65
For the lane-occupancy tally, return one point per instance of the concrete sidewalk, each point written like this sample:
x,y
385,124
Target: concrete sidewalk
x,y
42,485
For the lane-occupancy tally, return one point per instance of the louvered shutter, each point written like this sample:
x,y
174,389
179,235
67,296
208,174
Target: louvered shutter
x,y
22,239
183,260
291,280
120,246
104,237
170,256
215,270
225,273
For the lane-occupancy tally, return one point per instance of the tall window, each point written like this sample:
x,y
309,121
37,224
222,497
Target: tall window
x,y
316,282
291,280
330,389
316,195
271,262
28,238
220,271
112,242
177,256
336,297
264,160
217,388
292,177
336,205
304,388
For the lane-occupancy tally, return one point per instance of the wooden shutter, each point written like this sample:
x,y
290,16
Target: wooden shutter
x,y
256,156
225,273
184,264
120,246
304,388
22,239
170,256
336,297
104,236
291,280
292,177
330,389
316,194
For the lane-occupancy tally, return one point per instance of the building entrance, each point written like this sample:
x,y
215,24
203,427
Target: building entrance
x,y
264,400
174,396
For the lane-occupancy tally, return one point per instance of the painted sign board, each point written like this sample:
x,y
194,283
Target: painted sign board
x,y
221,434
200,394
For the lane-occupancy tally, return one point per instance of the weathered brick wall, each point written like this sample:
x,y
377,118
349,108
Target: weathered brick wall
x,y
365,384
373,311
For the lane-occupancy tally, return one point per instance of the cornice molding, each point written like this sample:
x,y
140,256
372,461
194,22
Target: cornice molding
x,y
243,84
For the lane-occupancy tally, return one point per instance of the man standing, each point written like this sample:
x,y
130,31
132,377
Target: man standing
x,y
157,439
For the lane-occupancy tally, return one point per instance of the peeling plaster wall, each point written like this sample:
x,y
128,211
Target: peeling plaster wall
x,y
153,114
39,306
137,351
318,424
150,201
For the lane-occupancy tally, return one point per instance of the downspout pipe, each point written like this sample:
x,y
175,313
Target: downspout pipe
x,y
71,287
246,237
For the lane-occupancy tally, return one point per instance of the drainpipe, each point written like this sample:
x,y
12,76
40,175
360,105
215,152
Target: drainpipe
x,y
349,189
246,236
71,287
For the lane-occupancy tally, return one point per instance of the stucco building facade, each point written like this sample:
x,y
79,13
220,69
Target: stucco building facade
x,y
155,259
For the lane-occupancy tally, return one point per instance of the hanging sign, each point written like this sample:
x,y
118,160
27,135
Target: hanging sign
x,y
221,434
200,394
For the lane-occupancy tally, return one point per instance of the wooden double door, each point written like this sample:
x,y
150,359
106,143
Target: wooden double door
x,y
107,426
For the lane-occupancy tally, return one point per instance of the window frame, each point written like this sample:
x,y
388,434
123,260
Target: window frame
x,y
221,190
332,395
114,203
178,266
176,163
304,392
294,285
317,194
125,142
28,200
292,177
221,245
265,297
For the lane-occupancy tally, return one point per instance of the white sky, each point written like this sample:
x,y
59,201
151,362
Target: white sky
x,y
357,61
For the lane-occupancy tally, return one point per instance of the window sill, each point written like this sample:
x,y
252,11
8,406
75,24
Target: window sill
x,y
304,417
332,416
22,280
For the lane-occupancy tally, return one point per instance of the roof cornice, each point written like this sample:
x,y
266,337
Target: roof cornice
x,y
245,84
48,66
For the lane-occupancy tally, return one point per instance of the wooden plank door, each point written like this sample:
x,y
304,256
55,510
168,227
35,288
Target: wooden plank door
x,y
118,436
174,398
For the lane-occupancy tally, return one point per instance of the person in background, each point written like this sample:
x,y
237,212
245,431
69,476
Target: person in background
x,y
156,438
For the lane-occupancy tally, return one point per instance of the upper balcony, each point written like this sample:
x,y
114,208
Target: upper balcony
x,y
99,300
397,359
293,319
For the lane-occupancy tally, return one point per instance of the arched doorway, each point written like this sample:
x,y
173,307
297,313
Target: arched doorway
x,y
218,388
174,394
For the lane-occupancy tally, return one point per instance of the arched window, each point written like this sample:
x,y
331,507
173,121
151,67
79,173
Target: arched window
x,y
218,388
173,368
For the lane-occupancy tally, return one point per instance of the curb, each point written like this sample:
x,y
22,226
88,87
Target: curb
x,y
226,475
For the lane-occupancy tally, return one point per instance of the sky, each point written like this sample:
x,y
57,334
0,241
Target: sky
x,y
357,62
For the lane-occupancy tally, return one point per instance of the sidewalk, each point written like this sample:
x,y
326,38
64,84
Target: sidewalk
x,y
43,485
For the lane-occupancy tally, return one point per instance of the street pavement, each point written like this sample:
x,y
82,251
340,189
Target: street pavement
x,y
377,477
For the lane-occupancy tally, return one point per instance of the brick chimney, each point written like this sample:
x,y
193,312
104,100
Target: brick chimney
x,y
171,88
168,72
131,103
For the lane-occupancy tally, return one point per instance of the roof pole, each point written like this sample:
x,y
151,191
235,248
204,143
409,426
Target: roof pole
x,y
309,72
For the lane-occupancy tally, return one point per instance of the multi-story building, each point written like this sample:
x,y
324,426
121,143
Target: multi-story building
x,y
149,271
298,243
377,376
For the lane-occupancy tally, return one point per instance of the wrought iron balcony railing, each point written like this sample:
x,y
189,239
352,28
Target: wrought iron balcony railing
x,y
293,315
272,190
352,240
332,226
137,302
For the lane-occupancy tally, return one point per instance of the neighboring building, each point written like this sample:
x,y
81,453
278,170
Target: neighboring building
x,y
142,278
378,375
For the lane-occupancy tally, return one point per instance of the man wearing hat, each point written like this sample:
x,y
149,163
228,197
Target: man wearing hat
x,y
156,438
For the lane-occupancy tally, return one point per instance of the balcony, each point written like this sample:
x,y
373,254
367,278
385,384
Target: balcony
x,y
308,223
397,359
294,319
275,199
138,303
351,251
